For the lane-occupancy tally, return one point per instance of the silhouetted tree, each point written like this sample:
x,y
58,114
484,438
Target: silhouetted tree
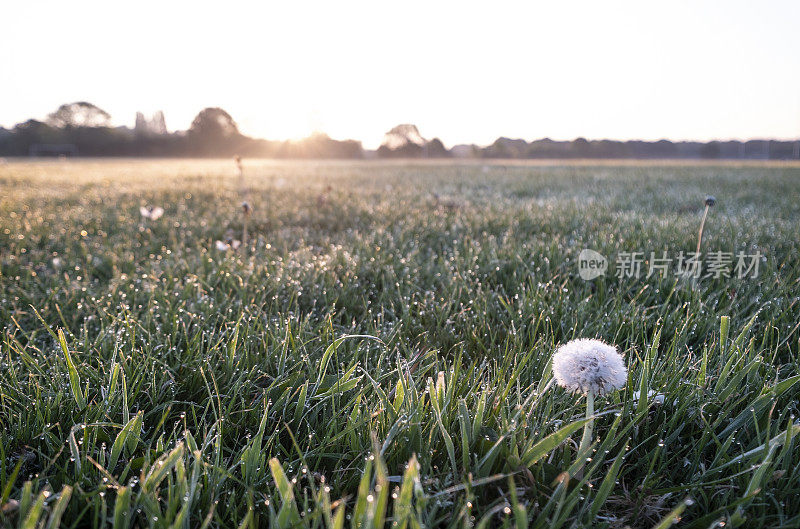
x,y
318,145
79,114
82,128
710,150
436,149
609,149
402,141
158,123
213,131
506,148
581,147
148,127
547,148
141,125
29,133
215,123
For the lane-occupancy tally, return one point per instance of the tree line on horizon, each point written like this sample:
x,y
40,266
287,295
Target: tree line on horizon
x,y
83,129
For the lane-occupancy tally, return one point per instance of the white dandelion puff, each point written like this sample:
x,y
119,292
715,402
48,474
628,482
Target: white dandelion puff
x,y
150,212
589,366
230,244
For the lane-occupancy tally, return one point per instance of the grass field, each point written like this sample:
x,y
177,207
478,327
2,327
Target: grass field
x,y
380,357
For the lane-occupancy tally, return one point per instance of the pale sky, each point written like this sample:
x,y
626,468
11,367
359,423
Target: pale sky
x,y
464,72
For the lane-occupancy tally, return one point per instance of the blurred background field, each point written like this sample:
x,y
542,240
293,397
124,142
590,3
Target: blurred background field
x,y
460,278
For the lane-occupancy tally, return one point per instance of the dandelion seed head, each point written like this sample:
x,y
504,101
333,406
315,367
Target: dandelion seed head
x,y
246,208
150,212
589,366
710,200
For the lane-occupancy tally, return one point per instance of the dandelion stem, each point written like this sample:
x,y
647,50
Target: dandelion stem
x,y
586,440
702,225
244,232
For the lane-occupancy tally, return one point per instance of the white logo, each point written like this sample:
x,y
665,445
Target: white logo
x,y
591,264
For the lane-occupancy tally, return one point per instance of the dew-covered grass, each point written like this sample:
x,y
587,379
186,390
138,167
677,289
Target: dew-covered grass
x,y
380,354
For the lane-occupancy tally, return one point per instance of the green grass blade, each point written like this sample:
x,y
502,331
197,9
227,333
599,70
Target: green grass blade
x,y
74,378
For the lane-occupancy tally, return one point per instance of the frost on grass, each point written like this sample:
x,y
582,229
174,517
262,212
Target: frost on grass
x,y
589,366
